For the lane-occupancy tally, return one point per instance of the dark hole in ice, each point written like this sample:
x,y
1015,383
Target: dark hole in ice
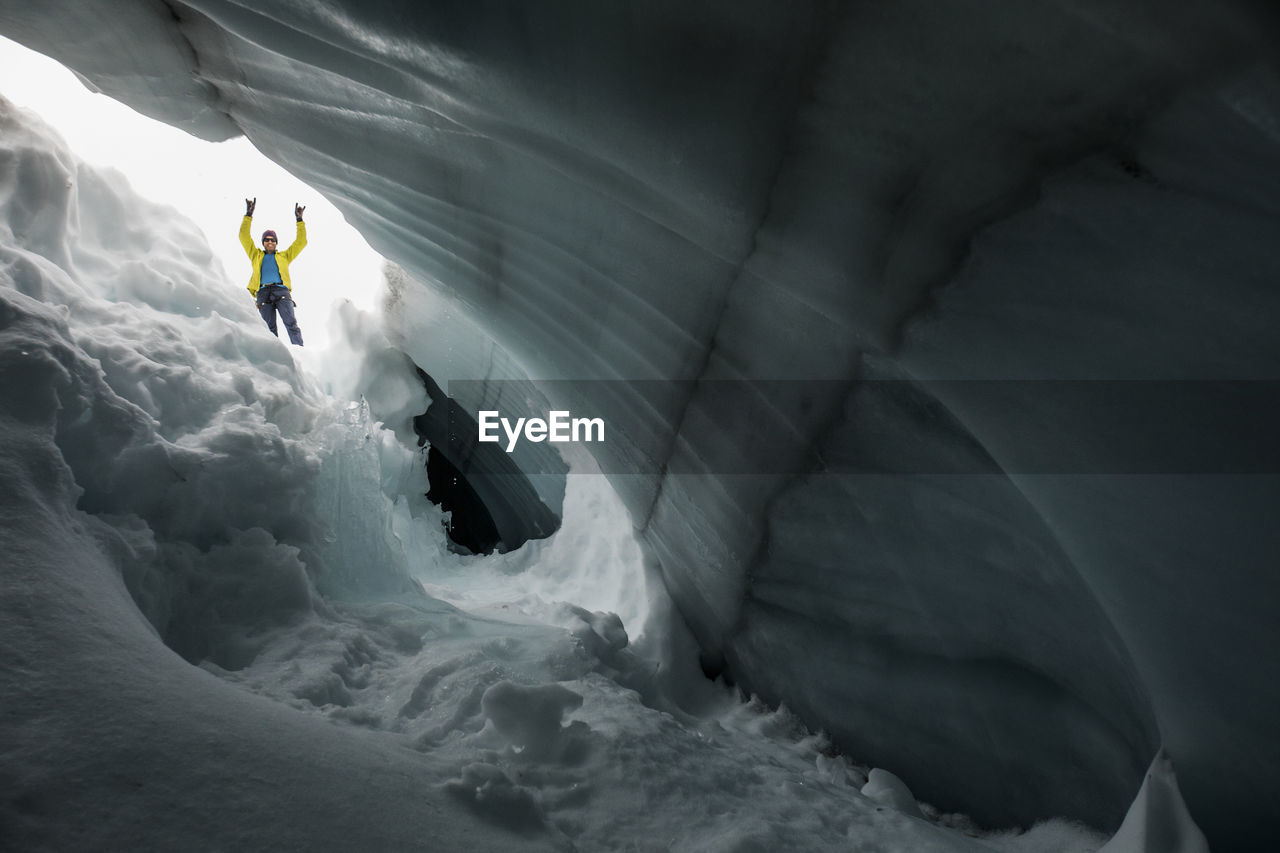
x,y
471,525
493,504
714,666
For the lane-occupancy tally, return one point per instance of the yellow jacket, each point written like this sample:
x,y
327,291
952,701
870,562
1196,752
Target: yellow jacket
x,y
283,256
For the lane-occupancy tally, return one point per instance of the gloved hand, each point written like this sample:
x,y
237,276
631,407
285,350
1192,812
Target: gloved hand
x,y
297,211
249,205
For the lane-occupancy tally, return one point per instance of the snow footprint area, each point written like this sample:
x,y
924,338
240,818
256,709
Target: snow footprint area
x,y
524,731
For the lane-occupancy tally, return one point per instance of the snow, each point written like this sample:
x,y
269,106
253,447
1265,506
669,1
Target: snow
x,y
215,615
913,192
883,787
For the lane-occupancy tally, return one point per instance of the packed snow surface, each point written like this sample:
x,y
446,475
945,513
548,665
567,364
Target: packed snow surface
x,y
900,229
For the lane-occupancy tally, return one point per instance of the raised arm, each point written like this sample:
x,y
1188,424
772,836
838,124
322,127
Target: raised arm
x,y
300,241
246,239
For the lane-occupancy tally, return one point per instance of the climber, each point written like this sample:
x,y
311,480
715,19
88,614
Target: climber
x,y
269,283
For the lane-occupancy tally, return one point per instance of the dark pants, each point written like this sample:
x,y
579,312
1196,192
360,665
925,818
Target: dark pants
x,y
273,298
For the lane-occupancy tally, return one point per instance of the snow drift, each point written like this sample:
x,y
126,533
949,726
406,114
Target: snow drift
x,y
848,192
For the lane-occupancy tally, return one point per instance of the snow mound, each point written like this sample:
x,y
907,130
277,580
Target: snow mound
x,y
883,787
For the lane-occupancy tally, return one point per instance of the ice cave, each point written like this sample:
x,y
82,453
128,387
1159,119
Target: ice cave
x,y
935,346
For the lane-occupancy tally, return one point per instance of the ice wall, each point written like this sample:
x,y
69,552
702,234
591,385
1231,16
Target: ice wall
x,y
1013,609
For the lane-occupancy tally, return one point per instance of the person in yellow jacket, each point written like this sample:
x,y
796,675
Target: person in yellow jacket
x,y
270,283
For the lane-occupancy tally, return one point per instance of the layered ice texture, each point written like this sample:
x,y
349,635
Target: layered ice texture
x,y
904,227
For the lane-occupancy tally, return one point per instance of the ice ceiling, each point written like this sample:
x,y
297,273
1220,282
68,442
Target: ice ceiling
x,y
1013,590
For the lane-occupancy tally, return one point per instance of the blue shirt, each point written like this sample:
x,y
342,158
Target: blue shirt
x,y
270,269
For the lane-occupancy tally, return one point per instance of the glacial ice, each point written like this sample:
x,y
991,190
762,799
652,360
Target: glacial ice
x,y
929,195
1158,819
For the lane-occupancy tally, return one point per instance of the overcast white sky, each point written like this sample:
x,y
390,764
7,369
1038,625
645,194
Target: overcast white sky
x,y
207,181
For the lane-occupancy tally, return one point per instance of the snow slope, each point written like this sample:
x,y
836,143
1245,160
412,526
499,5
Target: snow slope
x,y
914,192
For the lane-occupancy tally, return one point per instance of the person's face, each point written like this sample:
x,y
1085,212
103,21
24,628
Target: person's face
x,y
268,244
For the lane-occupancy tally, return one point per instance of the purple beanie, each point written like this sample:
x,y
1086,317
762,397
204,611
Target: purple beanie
x,y
268,233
